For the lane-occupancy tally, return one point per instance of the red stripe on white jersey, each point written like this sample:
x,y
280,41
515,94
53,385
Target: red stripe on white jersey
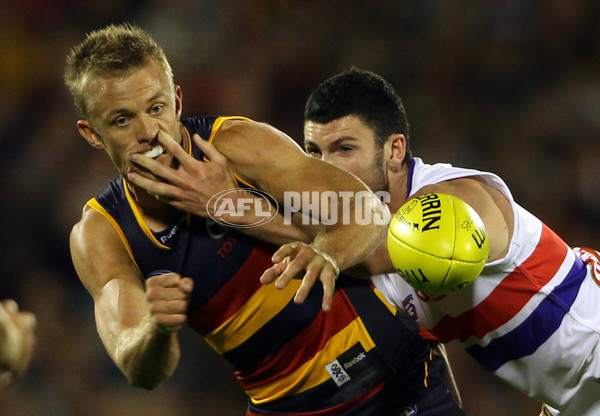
x,y
510,296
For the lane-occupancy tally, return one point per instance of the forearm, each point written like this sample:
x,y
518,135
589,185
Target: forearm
x,y
347,248
277,232
145,354
377,263
339,246
257,217
350,241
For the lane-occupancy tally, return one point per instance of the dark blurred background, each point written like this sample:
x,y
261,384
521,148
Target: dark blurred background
x,y
509,86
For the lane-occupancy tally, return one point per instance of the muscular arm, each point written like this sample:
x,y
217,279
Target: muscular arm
x,y
267,159
138,337
192,188
277,230
271,161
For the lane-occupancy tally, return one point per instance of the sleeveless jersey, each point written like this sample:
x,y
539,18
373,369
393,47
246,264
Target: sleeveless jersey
x,y
289,359
530,317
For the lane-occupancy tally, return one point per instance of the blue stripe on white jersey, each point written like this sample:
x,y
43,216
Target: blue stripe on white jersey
x,y
526,338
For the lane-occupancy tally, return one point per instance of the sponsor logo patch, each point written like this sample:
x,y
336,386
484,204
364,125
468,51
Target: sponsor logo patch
x,y
351,364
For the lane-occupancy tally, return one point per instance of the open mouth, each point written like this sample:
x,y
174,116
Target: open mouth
x,y
155,152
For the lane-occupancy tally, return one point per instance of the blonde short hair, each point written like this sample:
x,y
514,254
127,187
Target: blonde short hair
x,y
112,51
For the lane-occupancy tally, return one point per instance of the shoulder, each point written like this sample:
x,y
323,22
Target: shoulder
x,y
492,205
425,177
234,131
257,151
92,231
470,189
209,126
96,248
459,185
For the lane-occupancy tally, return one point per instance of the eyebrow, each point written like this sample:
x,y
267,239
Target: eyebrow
x,y
118,111
126,111
336,142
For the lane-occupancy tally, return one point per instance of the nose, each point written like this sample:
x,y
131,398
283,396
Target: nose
x,y
146,128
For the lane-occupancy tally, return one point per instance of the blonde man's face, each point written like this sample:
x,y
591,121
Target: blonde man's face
x,y
127,114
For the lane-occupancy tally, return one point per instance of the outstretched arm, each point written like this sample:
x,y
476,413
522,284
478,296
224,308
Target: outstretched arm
x,y
138,325
194,187
267,159
352,221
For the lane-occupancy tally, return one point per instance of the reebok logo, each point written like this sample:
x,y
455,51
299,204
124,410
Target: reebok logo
x,y
352,364
355,360
358,368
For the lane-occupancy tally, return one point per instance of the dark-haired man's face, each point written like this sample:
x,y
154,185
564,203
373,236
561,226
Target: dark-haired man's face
x,y
350,144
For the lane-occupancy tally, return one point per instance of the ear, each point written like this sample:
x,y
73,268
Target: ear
x,y
89,134
397,143
178,101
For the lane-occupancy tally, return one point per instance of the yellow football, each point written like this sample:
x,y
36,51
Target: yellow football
x,y
437,243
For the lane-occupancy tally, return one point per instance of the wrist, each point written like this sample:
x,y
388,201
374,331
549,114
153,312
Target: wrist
x,y
328,257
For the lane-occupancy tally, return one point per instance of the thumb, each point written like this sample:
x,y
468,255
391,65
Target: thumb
x,y
186,285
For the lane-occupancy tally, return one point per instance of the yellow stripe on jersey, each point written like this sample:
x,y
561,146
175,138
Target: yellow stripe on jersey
x,y
95,205
247,320
218,123
545,411
187,141
391,307
139,218
313,372
216,127
427,368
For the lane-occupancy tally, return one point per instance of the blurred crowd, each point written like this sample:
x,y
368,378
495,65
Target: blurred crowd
x,y
509,86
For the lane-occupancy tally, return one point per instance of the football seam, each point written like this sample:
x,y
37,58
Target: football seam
x,y
433,255
455,226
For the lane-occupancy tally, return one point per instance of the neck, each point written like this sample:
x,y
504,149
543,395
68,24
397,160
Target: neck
x,y
398,185
185,139
158,215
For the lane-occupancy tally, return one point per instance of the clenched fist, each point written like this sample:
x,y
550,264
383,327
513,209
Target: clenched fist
x,y
17,340
168,296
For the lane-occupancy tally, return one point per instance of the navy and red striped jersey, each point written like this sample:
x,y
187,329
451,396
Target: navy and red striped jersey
x,y
289,358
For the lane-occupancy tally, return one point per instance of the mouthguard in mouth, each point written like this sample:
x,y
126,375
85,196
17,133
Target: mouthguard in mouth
x,y
155,152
